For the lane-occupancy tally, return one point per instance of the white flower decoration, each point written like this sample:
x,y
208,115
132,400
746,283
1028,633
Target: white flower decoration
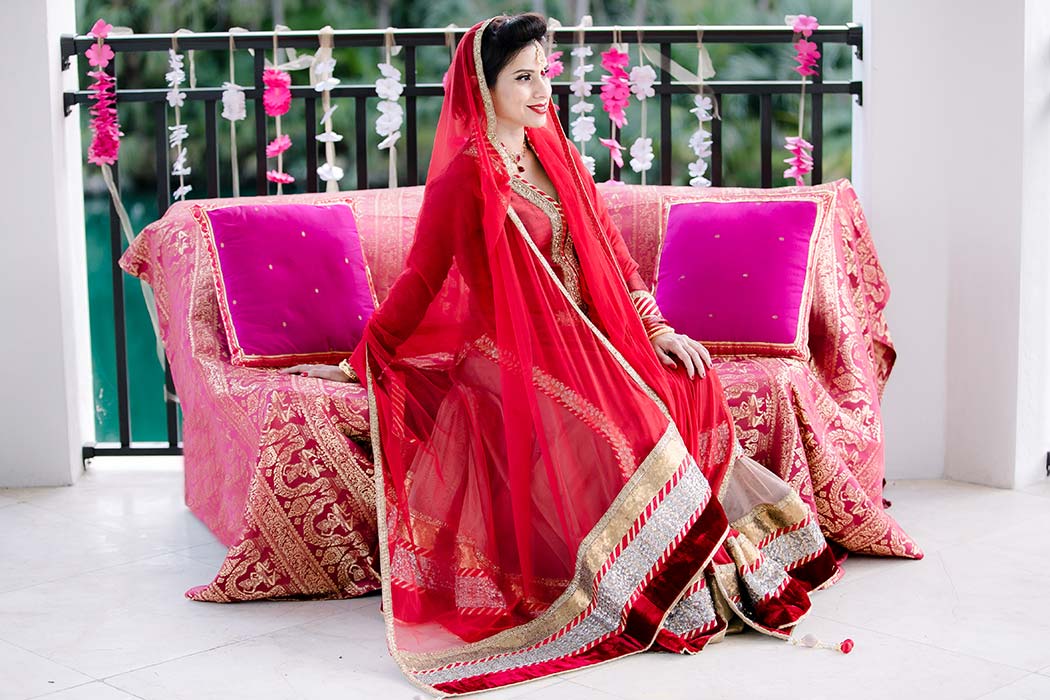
x,y
696,174
589,163
326,84
179,167
389,141
641,80
641,154
327,116
329,137
329,172
233,107
583,129
179,131
582,108
699,143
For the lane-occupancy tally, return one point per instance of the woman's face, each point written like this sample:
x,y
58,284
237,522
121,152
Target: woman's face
x,y
521,95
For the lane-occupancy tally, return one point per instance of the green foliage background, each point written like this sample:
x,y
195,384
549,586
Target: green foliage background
x,y
740,126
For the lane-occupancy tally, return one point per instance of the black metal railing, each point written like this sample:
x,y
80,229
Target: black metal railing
x,y
410,40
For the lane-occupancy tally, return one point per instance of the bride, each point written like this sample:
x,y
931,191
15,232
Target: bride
x,y
558,479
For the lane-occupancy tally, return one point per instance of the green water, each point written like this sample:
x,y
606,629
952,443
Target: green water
x,y
146,377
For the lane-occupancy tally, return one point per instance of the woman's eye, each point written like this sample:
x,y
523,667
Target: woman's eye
x,y
523,77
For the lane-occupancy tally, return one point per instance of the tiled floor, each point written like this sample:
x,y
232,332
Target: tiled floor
x,y
91,608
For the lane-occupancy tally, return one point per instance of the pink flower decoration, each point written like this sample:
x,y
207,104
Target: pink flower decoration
x,y
99,55
615,150
801,160
279,177
105,141
278,146
846,646
100,30
616,88
275,78
554,65
277,97
802,24
806,55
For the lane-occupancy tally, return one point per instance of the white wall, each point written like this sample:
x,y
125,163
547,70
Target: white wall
x,y
45,373
943,165
1033,404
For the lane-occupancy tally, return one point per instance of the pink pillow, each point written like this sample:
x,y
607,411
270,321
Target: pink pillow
x,y
292,283
735,270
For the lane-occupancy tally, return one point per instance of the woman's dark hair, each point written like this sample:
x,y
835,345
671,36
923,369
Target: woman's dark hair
x,y
505,36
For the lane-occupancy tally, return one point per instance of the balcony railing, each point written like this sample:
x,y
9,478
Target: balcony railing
x,y
411,40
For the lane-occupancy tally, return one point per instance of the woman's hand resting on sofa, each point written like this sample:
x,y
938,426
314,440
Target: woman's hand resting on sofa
x,y
330,372
693,355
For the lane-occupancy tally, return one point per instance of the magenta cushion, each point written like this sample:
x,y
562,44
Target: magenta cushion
x,y
734,273
292,282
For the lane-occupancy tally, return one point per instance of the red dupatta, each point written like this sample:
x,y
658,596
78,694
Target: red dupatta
x,y
545,486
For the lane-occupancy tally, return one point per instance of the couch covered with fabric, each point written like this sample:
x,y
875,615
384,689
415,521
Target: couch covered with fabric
x,y
279,466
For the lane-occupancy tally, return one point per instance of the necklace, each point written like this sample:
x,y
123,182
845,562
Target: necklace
x,y
516,157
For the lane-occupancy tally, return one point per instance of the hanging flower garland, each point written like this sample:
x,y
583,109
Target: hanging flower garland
x,y
641,80
800,163
105,141
391,115
233,111
104,148
582,127
615,96
277,99
700,141
321,75
179,132
554,65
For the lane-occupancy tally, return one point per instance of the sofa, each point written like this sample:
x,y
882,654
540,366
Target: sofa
x,y
279,467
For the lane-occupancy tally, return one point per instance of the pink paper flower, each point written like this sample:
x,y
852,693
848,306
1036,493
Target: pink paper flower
x,y
275,78
105,141
99,55
806,55
615,150
279,177
616,87
801,161
278,146
554,65
100,30
802,24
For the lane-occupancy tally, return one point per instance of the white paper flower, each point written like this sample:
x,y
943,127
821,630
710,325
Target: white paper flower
x,y
176,98
641,80
389,89
581,88
582,52
233,107
696,174
324,67
702,103
179,133
329,137
390,118
583,129
327,116
181,192
389,71
179,167
699,143
589,163
641,154
582,107
326,84
329,172
389,141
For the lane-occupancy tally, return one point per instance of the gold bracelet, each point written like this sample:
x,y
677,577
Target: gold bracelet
x,y
348,371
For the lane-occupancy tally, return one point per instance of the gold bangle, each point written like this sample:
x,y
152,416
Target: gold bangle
x,y
348,371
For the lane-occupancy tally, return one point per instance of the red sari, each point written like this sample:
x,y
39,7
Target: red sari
x,y
549,492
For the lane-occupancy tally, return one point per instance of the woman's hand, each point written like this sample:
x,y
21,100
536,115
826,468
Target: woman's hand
x,y
693,355
330,372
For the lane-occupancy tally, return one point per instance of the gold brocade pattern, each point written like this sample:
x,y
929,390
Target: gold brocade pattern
x,y
563,252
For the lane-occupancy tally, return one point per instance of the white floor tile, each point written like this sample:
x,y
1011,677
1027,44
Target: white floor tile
x,y
41,545
91,691
6,499
938,513
978,599
24,674
1033,687
753,666
1040,489
133,615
